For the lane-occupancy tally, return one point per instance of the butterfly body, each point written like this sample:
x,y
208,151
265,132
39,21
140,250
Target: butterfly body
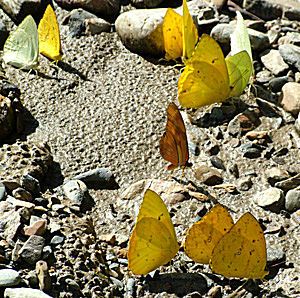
x,y
21,47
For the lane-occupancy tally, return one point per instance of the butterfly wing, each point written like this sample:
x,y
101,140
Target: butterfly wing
x,y
49,37
172,33
239,70
190,32
173,144
21,47
205,78
203,235
153,242
242,251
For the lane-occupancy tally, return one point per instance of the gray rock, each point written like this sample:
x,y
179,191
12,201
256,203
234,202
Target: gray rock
x,y
217,163
10,220
292,200
244,183
207,175
99,178
107,9
2,192
24,293
275,256
250,150
75,190
22,194
271,199
9,277
290,98
31,184
47,251
275,174
57,240
72,286
276,84
32,249
290,54
221,33
273,61
130,287
141,31
96,26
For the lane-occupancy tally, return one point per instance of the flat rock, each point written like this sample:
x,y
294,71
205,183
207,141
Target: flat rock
x,y
19,203
290,97
10,220
2,191
289,183
292,200
24,293
22,194
273,61
96,26
290,54
75,190
271,199
276,174
37,228
9,277
207,175
32,249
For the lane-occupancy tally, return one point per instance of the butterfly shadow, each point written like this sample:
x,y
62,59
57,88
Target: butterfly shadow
x,y
72,70
179,284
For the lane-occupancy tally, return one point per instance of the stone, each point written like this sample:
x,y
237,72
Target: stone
x,y
290,98
250,150
32,249
17,10
289,183
275,256
276,174
146,3
107,9
297,124
24,293
256,135
273,61
95,26
75,190
38,228
31,184
56,240
99,178
292,200
7,117
207,175
22,194
141,31
9,278
2,191
221,33
217,163
244,183
10,220
41,269
72,286
271,199
276,84
23,158
290,54
19,203
3,35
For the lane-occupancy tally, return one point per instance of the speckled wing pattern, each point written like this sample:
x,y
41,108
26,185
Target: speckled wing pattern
x,y
242,251
203,235
153,242
49,37
173,144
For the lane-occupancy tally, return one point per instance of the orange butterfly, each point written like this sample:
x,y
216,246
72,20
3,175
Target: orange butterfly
x,y
173,144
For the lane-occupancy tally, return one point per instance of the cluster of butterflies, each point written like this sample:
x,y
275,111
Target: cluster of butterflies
x,y
207,77
232,250
23,46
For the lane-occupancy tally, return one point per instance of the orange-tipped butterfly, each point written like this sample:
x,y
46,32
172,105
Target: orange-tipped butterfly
x,y
173,144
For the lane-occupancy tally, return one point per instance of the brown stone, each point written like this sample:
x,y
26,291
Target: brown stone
x,y
38,228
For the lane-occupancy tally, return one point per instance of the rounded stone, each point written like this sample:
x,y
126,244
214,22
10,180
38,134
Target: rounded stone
x,y
9,277
271,198
292,200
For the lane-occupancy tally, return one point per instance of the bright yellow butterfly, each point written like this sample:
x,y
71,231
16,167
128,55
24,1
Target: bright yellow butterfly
x,y
242,251
208,77
180,34
49,38
203,235
233,250
153,242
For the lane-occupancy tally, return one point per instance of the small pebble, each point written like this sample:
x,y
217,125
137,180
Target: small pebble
x,y
57,240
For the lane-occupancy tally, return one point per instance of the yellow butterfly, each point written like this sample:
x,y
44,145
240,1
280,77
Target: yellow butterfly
x,y
21,47
233,250
180,34
153,242
208,77
49,38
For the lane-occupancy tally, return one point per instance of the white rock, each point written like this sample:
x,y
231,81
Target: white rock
x,y
272,199
290,97
24,293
